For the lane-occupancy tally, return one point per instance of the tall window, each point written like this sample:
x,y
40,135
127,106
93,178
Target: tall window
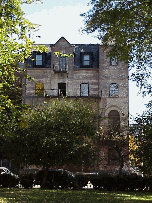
x,y
39,89
114,121
39,60
86,59
62,63
113,90
84,90
113,61
113,157
61,89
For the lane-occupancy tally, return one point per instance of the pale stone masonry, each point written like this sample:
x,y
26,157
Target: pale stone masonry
x,y
88,74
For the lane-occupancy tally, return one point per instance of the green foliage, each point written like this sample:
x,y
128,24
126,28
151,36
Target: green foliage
x,y
15,48
56,134
27,181
7,180
142,133
127,26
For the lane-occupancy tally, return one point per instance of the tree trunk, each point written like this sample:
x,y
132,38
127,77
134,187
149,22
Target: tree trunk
x,y
44,182
121,164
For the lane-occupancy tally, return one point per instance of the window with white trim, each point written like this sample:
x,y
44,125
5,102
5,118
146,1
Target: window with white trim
x,y
113,90
114,61
84,90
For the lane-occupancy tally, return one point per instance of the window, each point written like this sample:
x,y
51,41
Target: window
x,y
86,59
114,121
113,157
113,61
61,89
62,63
113,90
84,90
39,60
39,89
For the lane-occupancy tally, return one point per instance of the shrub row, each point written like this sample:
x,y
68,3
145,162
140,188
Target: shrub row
x,y
104,181
7,180
27,181
109,182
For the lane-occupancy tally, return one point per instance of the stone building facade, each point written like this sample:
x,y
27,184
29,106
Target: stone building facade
x,y
80,70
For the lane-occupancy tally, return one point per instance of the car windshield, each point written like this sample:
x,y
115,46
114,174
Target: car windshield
x,y
7,171
70,174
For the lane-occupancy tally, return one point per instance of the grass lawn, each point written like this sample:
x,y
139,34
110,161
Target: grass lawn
x,y
71,196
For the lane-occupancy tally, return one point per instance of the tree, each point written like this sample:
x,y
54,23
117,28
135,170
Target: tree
x,y
15,48
116,138
58,134
127,26
142,133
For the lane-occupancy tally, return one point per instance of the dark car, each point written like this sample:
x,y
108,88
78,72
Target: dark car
x,y
7,178
56,178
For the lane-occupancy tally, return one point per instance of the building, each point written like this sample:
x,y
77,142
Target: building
x,y
81,70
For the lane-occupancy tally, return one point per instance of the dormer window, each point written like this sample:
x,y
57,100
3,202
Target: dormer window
x,y
62,63
39,60
86,59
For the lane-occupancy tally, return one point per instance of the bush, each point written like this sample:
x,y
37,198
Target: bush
x,y
108,181
81,180
27,181
56,178
103,181
7,180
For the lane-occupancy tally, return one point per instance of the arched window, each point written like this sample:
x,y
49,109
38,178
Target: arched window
x,y
113,90
114,121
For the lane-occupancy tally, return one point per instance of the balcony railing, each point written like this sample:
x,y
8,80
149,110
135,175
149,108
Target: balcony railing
x,y
59,69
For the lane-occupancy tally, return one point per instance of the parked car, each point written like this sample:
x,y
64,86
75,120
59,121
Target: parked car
x,y
4,170
7,178
56,178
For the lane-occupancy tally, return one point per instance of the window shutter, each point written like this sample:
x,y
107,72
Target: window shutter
x,y
91,59
81,59
48,59
44,59
34,58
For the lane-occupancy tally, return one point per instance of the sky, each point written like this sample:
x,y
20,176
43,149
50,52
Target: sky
x,y
61,18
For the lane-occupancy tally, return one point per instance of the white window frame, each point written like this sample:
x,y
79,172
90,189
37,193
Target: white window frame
x,y
114,90
114,61
84,89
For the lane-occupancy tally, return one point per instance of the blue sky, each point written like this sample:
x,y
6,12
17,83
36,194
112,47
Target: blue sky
x,y
62,18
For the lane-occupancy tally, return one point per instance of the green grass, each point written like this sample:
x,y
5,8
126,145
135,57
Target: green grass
x,y
71,196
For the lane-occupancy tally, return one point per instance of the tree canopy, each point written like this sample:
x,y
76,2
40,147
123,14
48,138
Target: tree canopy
x,y
141,132
55,134
127,26
15,48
